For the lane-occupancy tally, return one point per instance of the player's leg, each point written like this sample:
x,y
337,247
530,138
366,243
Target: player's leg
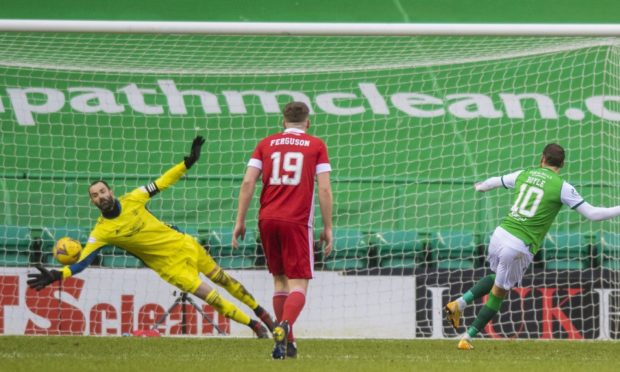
x,y
228,309
271,232
295,300
210,268
281,291
235,288
280,294
293,306
281,331
508,258
488,311
455,308
183,274
298,259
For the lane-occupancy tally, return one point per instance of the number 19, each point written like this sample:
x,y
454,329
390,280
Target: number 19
x,y
293,162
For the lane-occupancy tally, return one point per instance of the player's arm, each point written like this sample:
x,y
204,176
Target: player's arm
x,y
323,168
89,253
248,185
175,173
507,181
46,277
326,204
572,199
597,213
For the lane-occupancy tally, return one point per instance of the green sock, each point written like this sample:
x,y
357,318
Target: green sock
x,y
491,307
481,288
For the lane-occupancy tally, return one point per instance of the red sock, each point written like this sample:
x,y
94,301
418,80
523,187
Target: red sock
x,y
278,304
292,307
279,298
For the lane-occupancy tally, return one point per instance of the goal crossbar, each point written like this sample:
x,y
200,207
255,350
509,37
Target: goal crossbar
x,y
293,28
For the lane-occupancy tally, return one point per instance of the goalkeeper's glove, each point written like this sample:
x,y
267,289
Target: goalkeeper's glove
x,y
41,280
194,154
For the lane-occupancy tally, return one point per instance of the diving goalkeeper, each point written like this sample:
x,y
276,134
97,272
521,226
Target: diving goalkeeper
x,y
177,257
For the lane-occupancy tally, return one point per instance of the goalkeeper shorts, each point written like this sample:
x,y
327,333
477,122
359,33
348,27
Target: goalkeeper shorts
x,y
184,267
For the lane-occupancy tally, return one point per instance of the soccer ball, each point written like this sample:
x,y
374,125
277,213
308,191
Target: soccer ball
x,y
67,250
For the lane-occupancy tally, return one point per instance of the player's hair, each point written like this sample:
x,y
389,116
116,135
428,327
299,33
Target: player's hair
x,y
98,181
296,112
554,155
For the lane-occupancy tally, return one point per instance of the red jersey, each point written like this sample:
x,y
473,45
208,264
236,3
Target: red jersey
x,y
289,162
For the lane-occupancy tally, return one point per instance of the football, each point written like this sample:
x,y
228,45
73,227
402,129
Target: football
x,y
67,250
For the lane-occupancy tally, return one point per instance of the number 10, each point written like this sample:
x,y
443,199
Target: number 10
x,y
521,204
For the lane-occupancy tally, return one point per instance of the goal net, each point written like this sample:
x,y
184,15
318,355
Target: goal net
x,y
410,124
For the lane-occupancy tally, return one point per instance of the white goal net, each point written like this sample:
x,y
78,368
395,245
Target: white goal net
x,y
410,124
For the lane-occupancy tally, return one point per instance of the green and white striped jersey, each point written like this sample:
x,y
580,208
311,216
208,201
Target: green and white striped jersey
x,y
539,195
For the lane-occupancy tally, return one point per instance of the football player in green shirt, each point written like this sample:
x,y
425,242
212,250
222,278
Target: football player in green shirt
x,y
539,195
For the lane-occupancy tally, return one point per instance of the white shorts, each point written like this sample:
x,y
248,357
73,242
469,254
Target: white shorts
x,y
509,257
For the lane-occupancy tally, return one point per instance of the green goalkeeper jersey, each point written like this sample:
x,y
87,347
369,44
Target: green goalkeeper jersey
x,y
539,195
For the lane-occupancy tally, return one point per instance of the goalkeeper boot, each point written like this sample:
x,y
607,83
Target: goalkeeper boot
x,y
291,349
280,335
261,332
264,316
453,314
465,343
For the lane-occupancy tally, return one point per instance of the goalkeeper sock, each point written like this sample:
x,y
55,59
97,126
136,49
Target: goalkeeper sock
x,y
265,317
479,290
488,311
236,289
294,304
226,308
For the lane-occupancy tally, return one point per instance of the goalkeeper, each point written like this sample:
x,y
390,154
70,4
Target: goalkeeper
x,y
177,257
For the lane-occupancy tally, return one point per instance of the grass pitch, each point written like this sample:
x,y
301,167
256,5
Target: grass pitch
x,y
38,353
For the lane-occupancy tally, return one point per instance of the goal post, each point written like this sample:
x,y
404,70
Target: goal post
x,y
412,116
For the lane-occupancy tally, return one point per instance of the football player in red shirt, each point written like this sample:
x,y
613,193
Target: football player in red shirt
x,y
289,162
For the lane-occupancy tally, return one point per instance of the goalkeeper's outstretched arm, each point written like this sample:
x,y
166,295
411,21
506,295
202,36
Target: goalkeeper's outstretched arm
x,y
46,277
176,172
90,252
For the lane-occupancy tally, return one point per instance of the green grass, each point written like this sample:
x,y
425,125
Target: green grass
x,y
18,353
